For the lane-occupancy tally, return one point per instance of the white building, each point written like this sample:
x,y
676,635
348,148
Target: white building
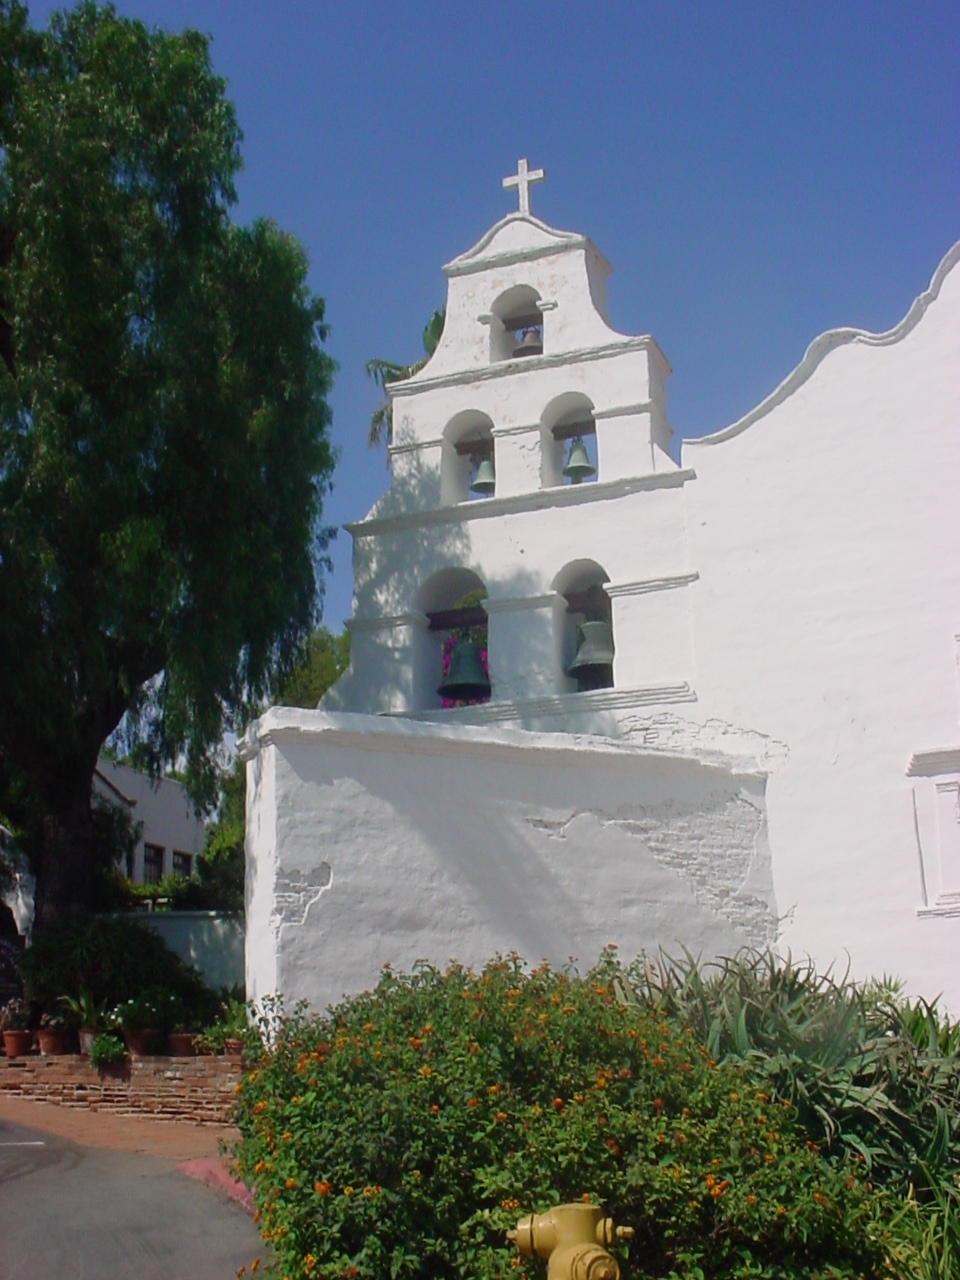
x,y
773,757
171,833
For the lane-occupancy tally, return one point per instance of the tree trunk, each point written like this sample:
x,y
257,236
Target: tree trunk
x,y
65,863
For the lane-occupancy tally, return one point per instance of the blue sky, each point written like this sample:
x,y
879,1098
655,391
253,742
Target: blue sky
x,y
756,173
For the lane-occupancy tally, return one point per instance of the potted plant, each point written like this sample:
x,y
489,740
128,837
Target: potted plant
x,y
86,1015
106,1051
50,1034
143,1020
15,1028
182,1040
230,1033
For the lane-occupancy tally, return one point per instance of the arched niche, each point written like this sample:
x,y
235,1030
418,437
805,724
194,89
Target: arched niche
x,y
441,598
513,314
467,440
565,418
580,597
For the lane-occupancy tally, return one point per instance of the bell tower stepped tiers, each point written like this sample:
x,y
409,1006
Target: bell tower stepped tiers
x,y
598,696
533,439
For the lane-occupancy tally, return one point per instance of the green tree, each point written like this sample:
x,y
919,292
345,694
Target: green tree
x,y
383,372
164,444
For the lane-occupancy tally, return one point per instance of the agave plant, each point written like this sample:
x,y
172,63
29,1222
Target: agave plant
x,y
871,1074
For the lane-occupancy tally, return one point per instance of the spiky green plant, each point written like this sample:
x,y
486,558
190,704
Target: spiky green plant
x,y
869,1072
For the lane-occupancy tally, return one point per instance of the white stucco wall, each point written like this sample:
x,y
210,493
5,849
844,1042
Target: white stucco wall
x,y
394,841
825,529
786,613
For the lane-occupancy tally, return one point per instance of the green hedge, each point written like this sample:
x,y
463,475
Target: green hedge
x,y
403,1132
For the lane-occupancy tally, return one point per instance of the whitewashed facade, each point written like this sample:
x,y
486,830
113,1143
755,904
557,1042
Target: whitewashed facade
x,y
777,761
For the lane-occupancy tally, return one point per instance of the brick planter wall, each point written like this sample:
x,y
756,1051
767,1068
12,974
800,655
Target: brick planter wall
x,y
200,1090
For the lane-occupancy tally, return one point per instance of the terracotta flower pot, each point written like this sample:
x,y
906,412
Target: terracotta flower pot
x,y
181,1044
233,1048
17,1043
85,1035
50,1040
141,1043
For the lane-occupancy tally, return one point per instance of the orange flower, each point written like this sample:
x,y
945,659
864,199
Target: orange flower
x,y
612,1145
471,1102
656,1062
558,1104
501,1116
290,1183
434,1109
372,1190
751,1199
425,1071
322,1188
259,1108
286,1137
348,1191
494,1089
414,1042
780,1211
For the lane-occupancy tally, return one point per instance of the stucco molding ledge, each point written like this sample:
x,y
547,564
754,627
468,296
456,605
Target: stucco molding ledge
x,y
821,347
931,764
618,345
289,726
568,495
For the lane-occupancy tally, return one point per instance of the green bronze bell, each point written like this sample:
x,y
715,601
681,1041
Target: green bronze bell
x,y
592,668
485,481
465,676
578,465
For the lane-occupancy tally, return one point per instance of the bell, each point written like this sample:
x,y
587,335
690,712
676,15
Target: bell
x,y
592,668
465,676
530,344
578,465
485,481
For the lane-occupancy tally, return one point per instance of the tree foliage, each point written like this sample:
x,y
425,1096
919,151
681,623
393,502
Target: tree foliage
x,y
383,372
164,444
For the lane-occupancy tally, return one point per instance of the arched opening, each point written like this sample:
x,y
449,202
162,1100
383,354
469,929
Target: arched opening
x,y
582,628
467,459
568,441
516,324
452,601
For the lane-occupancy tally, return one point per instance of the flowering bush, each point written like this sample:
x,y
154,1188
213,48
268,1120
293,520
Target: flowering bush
x,y
155,1010
403,1132
15,1016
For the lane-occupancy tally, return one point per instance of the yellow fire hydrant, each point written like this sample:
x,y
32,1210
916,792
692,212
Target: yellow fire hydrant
x,y
573,1239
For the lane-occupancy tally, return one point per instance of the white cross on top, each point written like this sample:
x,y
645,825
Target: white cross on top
x,y
522,180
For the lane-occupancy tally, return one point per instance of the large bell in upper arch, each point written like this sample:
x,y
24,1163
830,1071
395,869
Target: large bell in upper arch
x,y
530,344
465,678
592,668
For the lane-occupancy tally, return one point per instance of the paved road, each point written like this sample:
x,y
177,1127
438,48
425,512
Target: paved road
x,y
67,1210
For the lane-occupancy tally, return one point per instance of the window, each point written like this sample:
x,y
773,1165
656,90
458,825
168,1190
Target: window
x,y
516,325
467,458
568,441
152,863
452,646
583,628
182,864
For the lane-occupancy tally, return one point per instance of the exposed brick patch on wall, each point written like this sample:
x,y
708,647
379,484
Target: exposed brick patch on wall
x,y
200,1090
